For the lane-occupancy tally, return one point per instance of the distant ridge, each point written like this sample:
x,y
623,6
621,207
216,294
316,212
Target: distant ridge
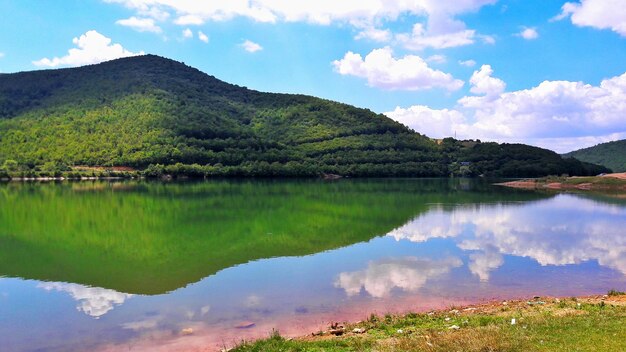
x,y
162,116
610,154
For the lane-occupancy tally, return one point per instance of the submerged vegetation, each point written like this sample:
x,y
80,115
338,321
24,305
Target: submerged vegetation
x,y
586,324
163,117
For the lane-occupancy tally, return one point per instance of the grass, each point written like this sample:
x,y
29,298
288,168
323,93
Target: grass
x,y
550,325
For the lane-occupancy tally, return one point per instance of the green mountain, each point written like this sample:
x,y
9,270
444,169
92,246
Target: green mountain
x,y
153,113
611,155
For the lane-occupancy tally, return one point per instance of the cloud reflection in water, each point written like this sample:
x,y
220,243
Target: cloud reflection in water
x,y
557,231
93,301
408,274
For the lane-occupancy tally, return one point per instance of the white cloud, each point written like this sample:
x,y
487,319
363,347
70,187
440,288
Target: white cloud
x,y
251,46
140,24
483,83
320,12
437,58
432,122
600,14
408,274
187,33
420,38
365,15
555,114
374,34
93,301
189,20
487,39
92,47
1,55
203,37
382,70
528,33
467,63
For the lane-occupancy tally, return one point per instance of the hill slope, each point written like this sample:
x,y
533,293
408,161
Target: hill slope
x,y
611,155
155,113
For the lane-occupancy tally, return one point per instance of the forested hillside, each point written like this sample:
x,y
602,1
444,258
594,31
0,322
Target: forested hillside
x,y
161,116
611,155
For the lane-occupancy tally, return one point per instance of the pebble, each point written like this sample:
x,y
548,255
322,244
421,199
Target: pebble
x,y
245,325
186,331
358,330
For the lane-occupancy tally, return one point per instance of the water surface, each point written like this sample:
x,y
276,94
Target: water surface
x,y
149,266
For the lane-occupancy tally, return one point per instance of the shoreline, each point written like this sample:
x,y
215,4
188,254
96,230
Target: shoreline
x,y
607,182
450,326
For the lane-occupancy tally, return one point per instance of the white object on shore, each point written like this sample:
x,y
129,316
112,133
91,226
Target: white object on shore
x,y
513,321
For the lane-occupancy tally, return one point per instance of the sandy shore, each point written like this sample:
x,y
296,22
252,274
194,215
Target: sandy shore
x,y
606,182
198,338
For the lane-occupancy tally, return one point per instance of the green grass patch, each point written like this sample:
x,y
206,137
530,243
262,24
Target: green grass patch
x,y
565,325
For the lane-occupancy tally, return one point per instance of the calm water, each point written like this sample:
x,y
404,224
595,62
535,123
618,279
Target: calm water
x,y
154,266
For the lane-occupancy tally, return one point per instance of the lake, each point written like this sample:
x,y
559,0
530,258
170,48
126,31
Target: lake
x,y
97,266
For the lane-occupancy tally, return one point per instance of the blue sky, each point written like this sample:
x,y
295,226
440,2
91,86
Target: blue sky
x,y
542,72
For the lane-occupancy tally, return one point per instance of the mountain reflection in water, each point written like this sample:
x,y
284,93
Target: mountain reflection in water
x,y
134,264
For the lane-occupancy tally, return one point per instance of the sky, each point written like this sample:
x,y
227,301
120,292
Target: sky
x,y
550,73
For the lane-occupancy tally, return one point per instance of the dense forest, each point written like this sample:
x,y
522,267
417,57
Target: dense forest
x,y
161,117
611,155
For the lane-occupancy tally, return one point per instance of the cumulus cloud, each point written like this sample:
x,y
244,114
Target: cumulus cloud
x,y
600,14
408,274
91,48
140,24
555,114
554,109
93,301
528,33
187,33
251,46
382,70
440,30
1,55
320,12
203,37
432,122
483,83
